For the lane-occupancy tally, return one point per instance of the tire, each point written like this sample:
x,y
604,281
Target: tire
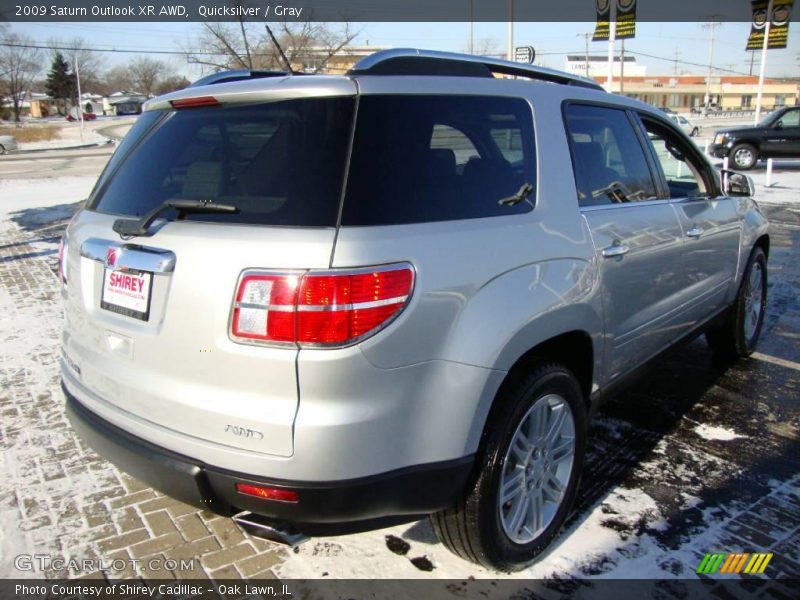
x,y
739,332
477,527
2,149
695,132
744,156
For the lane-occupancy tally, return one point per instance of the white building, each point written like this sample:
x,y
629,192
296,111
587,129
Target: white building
x,y
598,66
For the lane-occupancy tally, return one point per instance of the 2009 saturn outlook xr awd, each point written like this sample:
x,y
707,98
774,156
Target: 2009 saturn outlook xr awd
x,y
321,304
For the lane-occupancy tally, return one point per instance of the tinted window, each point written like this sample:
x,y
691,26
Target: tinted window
x,y
280,163
437,158
790,119
609,163
681,170
142,125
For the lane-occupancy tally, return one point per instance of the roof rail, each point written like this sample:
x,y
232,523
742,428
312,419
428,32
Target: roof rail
x,y
237,75
410,61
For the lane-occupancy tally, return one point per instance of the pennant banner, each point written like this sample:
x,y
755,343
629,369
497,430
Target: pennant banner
x,y
778,28
625,17
601,30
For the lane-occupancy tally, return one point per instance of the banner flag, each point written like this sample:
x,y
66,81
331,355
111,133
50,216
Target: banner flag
x,y
778,28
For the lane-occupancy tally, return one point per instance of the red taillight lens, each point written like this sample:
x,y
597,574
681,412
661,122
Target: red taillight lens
x,y
320,308
195,102
62,260
267,493
264,308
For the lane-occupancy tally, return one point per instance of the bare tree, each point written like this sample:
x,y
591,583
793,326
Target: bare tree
x,y
487,47
117,79
146,73
308,46
19,64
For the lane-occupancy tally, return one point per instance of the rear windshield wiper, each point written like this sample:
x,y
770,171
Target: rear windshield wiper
x,y
128,228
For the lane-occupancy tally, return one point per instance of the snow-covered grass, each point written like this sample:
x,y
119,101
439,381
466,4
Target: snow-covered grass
x,y
21,194
710,432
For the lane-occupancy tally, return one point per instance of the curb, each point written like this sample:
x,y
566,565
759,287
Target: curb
x,y
78,147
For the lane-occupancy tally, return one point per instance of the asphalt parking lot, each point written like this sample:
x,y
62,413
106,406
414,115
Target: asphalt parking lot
x,y
697,457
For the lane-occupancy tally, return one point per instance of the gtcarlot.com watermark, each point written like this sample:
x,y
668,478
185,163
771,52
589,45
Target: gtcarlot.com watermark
x,y
43,562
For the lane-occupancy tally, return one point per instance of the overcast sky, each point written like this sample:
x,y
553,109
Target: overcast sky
x,y
552,42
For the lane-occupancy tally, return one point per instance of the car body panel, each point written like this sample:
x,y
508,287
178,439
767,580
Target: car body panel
x,y
486,292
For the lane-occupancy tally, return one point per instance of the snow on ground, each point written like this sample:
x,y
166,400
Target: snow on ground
x,y
69,136
711,432
22,194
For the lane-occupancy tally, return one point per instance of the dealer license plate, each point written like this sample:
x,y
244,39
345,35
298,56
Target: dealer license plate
x,y
127,293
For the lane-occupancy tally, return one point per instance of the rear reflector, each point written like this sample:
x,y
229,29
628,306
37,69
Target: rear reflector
x,y
195,102
267,493
320,308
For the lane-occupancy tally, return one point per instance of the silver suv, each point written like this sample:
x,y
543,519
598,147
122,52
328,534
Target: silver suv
x,y
323,304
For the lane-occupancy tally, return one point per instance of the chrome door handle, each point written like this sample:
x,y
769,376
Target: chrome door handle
x,y
695,232
615,249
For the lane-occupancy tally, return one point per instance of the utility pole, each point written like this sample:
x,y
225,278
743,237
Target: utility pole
x,y
752,60
612,36
510,49
712,25
585,37
763,66
622,68
80,99
677,54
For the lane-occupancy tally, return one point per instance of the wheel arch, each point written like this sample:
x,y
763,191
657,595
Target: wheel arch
x,y
573,349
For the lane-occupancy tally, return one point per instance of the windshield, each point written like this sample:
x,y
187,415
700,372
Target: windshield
x,y
768,119
280,163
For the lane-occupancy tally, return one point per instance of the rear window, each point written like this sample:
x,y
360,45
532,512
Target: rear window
x,y
438,158
280,163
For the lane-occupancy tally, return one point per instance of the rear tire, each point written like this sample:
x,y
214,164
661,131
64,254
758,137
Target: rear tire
x,y
738,334
744,156
544,417
695,132
2,149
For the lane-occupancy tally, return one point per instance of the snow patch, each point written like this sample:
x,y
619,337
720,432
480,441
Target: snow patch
x,y
21,194
712,432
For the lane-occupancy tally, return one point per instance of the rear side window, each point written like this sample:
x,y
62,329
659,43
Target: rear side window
x,y
420,159
280,163
607,157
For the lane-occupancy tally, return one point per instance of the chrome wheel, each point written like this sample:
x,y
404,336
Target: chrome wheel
x,y
744,157
753,301
537,469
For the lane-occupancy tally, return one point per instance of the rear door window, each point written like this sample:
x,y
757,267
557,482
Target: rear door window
x,y
280,163
607,157
421,158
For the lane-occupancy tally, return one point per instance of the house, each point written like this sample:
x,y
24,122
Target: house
x,y
124,103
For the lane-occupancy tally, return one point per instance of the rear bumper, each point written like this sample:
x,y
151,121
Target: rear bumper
x,y
336,506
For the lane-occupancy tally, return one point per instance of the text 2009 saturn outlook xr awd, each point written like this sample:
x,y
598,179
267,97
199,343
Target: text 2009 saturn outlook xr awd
x,y
327,303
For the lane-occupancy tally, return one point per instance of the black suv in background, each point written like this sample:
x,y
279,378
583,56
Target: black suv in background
x,y
776,136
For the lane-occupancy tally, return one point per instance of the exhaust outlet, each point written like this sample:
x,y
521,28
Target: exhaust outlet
x,y
269,529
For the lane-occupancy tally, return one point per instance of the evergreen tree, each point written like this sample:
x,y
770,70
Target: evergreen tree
x,y
61,83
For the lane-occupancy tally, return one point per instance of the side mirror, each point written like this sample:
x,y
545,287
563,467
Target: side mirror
x,y
737,184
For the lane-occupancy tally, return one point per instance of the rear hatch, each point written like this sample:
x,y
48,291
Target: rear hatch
x,y
148,317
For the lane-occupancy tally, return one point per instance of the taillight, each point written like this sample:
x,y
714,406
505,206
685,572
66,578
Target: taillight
x,y
62,260
319,308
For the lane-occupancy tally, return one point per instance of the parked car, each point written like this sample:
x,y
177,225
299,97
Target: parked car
x,y
776,136
7,142
684,123
87,116
323,304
